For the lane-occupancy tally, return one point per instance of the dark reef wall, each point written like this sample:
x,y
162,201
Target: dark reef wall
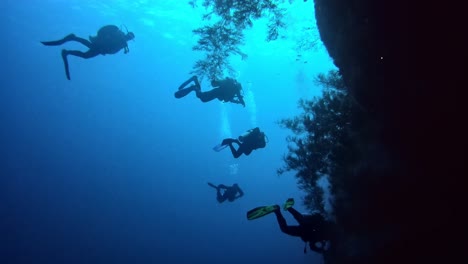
x,y
349,31
406,210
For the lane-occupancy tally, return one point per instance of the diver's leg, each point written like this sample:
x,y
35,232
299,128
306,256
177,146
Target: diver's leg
x,y
197,83
240,150
83,41
235,153
65,63
221,198
194,79
298,216
227,141
70,37
247,152
60,41
85,55
290,230
207,96
183,92
243,148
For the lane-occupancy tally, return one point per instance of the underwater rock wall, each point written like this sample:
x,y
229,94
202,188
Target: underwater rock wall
x,y
349,30
403,206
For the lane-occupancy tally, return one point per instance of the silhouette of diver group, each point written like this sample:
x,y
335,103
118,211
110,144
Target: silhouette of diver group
x,y
313,229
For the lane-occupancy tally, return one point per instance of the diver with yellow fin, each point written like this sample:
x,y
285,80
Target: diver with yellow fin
x,y
313,229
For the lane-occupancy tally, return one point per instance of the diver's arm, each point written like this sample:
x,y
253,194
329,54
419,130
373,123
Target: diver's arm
x,y
240,98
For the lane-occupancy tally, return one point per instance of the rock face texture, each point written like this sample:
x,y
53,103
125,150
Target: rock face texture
x,y
350,32
407,209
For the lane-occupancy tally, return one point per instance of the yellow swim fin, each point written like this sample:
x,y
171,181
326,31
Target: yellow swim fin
x,y
289,203
260,211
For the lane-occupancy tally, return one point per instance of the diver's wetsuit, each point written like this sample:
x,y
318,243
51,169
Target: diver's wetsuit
x,y
242,149
110,40
254,140
85,55
227,90
297,230
229,194
308,231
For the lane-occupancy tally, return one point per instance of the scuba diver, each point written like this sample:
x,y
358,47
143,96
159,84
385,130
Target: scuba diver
x,y
249,141
312,229
109,40
227,90
230,192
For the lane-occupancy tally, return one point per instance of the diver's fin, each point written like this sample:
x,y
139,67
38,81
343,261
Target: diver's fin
x,y
193,78
212,185
65,63
53,43
288,204
261,211
59,42
184,92
219,147
227,141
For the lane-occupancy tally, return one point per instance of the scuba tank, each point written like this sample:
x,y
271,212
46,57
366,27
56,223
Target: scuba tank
x,y
243,136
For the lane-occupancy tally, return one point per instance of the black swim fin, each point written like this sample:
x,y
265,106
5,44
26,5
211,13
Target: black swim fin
x,y
212,185
58,42
219,147
53,43
184,92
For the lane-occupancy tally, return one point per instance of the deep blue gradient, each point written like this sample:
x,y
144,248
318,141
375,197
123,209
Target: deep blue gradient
x,y
111,168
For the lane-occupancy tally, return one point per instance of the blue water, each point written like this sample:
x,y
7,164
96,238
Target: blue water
x,y
111,168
